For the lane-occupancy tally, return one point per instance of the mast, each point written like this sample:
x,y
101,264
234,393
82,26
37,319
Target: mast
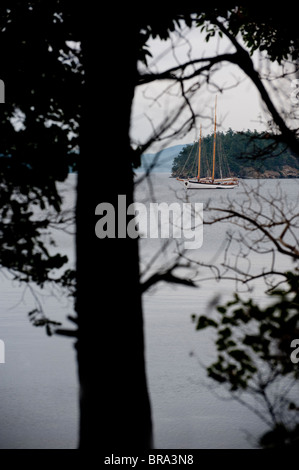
x,y
214,146
199,152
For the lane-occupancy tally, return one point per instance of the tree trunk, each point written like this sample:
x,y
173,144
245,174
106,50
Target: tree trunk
x,y
114,403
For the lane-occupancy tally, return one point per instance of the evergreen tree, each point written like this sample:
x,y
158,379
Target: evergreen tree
x,y
237,153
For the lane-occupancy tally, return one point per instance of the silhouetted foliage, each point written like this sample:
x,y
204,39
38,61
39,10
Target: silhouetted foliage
x,y
270,29
253,354
39,130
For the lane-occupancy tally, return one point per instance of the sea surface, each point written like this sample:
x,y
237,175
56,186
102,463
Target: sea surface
x,y
38,381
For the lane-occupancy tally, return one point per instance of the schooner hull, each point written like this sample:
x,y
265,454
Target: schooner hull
x,y
215,185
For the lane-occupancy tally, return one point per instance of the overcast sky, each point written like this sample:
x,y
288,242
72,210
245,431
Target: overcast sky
x,y
238,107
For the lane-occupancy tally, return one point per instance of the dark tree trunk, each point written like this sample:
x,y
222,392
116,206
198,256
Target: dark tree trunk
x,y
114,403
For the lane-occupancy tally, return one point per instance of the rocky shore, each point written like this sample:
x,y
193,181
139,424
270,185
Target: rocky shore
x,y
285,172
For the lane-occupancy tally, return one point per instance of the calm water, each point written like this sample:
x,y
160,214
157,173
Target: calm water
x,y
38,384
186,411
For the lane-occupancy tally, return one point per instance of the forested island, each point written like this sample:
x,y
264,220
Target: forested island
x,y
244,154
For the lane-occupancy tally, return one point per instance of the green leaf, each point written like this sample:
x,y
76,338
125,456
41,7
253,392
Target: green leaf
x,y
221,309
219,378
225,333
239,355
204,322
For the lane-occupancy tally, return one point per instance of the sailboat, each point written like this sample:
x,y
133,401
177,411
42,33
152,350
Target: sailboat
x,y
209,182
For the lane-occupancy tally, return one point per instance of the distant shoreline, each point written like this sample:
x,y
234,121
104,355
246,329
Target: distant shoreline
x,y
142,171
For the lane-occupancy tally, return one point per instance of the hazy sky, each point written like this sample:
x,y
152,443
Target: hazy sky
x,y
238,107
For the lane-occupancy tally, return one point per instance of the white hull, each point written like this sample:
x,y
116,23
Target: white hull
x,y
193,184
